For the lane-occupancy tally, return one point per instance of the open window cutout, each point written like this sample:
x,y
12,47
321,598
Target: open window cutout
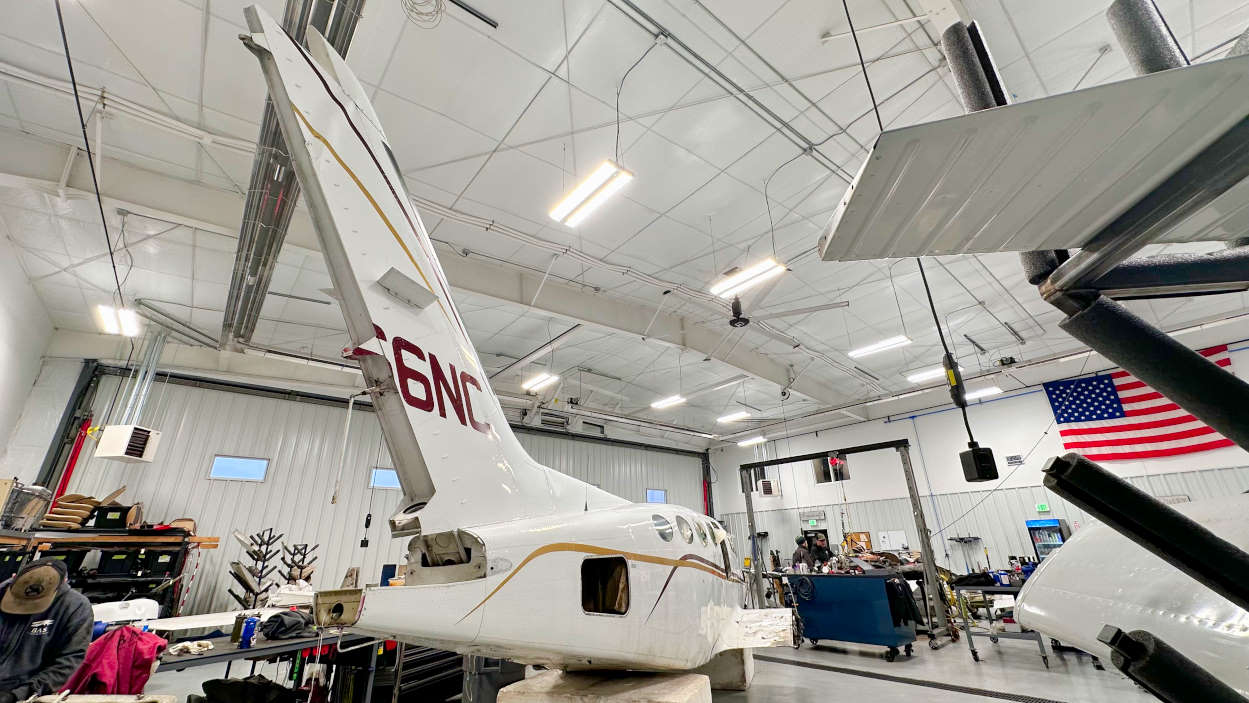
x,y
605,585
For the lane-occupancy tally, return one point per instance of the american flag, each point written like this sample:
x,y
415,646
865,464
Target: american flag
x,y
1113,416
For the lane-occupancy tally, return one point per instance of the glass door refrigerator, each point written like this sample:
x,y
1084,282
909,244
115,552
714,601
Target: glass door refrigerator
x,y
1047,535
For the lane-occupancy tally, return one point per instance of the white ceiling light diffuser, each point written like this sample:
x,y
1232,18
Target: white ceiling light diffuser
x,y
882,345
928,374
733,417
539,382
668,402
983,392
760,439
121,321
608,178
742,279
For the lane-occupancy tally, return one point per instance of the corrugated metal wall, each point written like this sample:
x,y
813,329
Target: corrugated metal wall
x,y
997,518
302,441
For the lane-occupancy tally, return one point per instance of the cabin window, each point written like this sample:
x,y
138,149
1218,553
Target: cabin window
x,y
605,585
663,527
687,532
702,532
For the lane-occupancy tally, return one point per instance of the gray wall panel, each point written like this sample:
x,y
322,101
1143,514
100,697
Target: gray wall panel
x,y
997,517
302,441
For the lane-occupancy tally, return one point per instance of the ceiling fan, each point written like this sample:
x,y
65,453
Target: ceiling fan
x,y
739,320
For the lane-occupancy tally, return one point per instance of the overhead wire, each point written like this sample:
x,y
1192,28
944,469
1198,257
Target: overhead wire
x,y
768,203
941,335
863,65
82,125
620,87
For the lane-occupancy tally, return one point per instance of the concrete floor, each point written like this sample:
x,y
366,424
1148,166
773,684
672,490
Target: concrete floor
x,y
1010,667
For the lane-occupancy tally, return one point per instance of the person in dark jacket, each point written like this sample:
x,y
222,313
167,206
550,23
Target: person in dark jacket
x,y
820,552
45,627
802,555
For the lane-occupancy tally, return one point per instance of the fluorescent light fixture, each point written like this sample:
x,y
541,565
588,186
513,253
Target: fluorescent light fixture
x,y
539,382
982,392
882,345
739,281
117,321
668,402
910,394
928,374
758,439
590,194
733,417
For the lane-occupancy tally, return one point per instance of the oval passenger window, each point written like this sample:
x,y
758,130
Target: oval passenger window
x,y
663,527
687,532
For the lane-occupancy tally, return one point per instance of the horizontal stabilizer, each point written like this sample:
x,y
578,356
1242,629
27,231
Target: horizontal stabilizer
x,y
1043,174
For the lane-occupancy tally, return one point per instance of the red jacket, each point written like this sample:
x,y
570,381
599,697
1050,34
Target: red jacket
x,y
120,661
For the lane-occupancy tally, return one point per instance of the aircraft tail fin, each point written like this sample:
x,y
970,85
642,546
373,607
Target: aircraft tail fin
x,y
456,457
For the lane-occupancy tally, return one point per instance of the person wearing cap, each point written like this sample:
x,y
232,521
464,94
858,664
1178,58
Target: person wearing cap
x,y
45,628
820,552
802,555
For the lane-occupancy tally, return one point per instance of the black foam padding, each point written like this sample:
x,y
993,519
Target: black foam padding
x,y
1175,538
1038,265
1226,266
1165,672
974,89
1215,396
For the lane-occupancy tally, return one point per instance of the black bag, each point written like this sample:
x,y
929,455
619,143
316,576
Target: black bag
x,y
286,625
253,689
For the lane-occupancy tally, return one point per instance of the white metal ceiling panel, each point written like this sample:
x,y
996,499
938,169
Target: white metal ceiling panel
x,y
1044,174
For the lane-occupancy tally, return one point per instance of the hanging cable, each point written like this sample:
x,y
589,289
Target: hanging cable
x,y
82,125
657,41
768,203
956,379
863,65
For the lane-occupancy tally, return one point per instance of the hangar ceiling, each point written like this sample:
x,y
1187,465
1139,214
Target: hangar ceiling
x,y
491,127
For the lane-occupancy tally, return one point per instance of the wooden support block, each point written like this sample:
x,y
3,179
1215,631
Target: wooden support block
x,y
608,687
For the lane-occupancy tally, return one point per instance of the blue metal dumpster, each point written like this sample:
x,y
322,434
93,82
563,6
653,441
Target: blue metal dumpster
x,y
856,608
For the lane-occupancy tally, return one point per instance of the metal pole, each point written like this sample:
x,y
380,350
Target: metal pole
x,y
755,568
925,544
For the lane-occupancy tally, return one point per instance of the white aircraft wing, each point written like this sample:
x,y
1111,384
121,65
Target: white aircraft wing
x,y
1100,577
1042,174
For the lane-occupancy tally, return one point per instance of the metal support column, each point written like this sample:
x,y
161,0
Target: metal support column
x,y
756,568
925,547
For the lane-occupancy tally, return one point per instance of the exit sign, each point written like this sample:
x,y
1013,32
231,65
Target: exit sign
x,y
811,523
1042,507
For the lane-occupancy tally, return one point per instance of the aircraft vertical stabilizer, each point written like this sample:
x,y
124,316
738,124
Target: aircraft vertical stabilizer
x,y
458,462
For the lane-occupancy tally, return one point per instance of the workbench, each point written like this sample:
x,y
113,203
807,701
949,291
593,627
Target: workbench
x,y
965,609
227,652
114,586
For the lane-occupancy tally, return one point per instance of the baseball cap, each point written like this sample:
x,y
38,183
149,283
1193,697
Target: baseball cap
x,y
34,588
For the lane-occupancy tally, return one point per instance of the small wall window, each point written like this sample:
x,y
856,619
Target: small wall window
x,y
663,527
829,469
238,468
687,532
384,478
656,495
605,585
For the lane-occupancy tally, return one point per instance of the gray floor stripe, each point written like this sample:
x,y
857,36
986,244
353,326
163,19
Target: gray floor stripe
x,y
914,682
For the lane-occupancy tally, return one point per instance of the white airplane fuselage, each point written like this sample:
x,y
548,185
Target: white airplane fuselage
x,y
682,595
507,558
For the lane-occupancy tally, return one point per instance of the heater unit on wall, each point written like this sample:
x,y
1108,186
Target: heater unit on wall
x,y
769,487
127,443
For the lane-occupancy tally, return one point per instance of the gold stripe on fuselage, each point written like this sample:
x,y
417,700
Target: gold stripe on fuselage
x,y
597,551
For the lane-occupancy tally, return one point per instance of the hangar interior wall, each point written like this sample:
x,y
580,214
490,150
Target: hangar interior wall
x,y
302,441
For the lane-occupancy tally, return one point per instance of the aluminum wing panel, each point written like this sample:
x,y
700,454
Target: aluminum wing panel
x,y
1044,174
